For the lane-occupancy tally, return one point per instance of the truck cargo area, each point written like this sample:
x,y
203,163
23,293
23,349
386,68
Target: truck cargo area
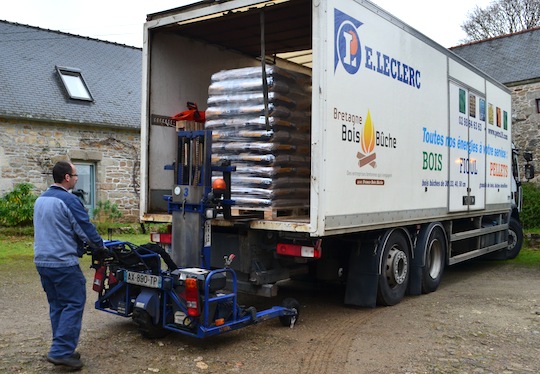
x,y
203,46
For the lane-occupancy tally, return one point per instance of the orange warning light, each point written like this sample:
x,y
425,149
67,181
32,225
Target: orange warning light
x,y
219,184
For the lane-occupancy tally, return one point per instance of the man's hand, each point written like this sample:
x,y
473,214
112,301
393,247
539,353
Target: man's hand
x,y
102,252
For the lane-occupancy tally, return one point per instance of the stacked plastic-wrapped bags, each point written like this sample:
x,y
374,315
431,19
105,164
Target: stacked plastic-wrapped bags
x,y
272,157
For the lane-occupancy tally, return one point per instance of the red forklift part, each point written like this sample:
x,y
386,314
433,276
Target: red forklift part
x,y
99,277
192,297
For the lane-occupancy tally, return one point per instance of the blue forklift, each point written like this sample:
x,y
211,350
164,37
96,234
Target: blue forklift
x,y
190,298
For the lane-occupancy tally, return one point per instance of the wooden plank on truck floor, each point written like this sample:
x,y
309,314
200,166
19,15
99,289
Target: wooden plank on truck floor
x,y
269,213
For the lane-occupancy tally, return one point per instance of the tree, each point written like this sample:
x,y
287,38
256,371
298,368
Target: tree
x,y
501,17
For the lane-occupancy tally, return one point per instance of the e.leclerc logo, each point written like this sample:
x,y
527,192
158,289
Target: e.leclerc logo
x,y
348,49
351,54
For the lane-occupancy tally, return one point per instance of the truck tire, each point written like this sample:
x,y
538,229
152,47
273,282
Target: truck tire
x,y
395,267
146,325
515,238
435,254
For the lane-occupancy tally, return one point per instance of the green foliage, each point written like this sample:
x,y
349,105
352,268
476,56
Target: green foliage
x,y
530,214
17,206
17,231
533,230
528,257
106,229
162,228
106,212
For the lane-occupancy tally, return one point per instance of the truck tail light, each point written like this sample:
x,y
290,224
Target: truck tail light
x,y
192,297
161,238
299,250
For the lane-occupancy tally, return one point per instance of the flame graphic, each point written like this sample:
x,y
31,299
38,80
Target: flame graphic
x,y
368,136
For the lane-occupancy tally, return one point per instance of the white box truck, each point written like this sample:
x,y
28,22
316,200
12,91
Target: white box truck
x,y
411,165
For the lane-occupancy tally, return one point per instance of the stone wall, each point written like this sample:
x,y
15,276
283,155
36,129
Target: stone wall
x,y
29,150
526,120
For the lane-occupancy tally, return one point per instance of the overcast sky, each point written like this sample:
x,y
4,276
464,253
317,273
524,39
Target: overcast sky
x,y
121,21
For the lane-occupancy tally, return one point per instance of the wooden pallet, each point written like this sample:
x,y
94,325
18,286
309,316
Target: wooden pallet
x,y
269,213
189,126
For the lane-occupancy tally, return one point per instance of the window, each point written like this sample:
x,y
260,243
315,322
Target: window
x,y
537,105
85,188
74,83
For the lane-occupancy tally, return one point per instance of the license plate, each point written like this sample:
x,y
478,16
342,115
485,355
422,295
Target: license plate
x,y
142,279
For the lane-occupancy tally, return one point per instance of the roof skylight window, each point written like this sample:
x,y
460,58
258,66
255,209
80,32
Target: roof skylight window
x,y
74,83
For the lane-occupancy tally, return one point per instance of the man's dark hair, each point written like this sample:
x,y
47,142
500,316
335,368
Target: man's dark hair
x,y
60,170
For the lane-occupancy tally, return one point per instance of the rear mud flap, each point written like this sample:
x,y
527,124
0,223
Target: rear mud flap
x,y
418,264
415,279
363,276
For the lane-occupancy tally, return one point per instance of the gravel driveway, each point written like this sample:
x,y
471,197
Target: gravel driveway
x,y
485,318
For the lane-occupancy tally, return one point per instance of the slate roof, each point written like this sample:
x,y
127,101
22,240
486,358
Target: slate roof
x,y
509,59
30,86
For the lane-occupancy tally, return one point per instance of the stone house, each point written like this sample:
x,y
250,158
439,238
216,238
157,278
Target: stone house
x,y
64,96
514,60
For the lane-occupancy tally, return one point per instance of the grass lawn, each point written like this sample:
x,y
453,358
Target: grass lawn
x,y
20,248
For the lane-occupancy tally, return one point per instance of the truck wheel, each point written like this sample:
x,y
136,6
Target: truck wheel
x,y
290,303
515,238
395,268
435,252
146,325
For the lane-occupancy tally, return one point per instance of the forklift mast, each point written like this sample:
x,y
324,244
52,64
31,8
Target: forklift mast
x,y
191,228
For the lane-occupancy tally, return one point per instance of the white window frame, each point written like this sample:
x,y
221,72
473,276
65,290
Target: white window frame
x,y
90,196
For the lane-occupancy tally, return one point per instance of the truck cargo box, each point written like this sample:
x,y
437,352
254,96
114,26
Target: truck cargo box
x,y
402,130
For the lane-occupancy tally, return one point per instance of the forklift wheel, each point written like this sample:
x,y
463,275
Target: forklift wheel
x,y
290,303
147,328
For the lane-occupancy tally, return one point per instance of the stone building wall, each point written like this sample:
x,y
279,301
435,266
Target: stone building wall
x,y
29,150
526,120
